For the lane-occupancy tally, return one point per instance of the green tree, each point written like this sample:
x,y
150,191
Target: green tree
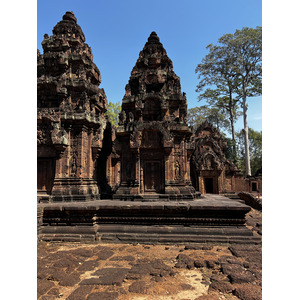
x,y
217,83
246,47
197,115
231,152
232,71
113,111
255,145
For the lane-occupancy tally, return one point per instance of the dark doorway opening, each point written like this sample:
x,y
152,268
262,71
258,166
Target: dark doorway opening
x,y
254,186
105,188
208,184
194,178
45,175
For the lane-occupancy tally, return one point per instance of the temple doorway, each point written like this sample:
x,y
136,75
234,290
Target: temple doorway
x,y
153,177
45,175
209,185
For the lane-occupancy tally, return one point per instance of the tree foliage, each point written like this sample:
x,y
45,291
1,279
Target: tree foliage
x,y
255,145
198,115
218,82
113,111
231,152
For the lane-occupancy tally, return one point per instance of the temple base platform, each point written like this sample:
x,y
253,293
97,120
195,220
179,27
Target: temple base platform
x,y
209,219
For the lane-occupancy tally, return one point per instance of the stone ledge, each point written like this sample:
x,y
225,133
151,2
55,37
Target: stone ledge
x,y
209,219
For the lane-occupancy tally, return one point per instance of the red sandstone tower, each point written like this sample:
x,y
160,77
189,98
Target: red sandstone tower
x,y
153,139
70,119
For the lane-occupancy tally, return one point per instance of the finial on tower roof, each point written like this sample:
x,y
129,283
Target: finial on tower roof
x,y
69,15
153,37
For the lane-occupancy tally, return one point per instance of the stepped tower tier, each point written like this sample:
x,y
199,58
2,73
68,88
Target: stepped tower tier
x,y
153,138
70,119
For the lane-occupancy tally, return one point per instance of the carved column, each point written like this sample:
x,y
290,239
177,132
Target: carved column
x,y
137,170
167,156
141,178
188,169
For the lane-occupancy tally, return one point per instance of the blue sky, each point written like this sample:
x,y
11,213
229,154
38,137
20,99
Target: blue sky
x,y
118,30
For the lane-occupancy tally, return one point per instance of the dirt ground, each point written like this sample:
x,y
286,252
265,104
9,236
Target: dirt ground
x,y
76,271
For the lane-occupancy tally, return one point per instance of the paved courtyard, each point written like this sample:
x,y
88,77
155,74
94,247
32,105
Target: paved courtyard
x,y
135,271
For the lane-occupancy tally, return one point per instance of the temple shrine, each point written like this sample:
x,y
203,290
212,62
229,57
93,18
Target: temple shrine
x,y
151,179
153,140
211,171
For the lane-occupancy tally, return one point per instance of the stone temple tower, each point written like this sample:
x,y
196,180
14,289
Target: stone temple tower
x,y
153,139
70,119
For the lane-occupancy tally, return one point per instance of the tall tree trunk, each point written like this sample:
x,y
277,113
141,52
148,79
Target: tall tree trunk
x,y
231,118
247,154
232,129
217,121
232,134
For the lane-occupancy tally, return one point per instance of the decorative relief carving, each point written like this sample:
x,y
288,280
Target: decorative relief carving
x,y
73,164
177,170
122,117
130,117
58,135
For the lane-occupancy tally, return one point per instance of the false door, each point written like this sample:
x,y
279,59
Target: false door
x,y
153,176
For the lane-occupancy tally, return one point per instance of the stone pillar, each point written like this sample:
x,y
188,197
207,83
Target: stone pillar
x,y
89,154
58,167
141,179
167,167
137,170
232,183
201,185
109,171
219,183
188,167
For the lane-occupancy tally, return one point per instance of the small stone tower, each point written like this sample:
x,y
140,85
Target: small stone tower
x,y
211,171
